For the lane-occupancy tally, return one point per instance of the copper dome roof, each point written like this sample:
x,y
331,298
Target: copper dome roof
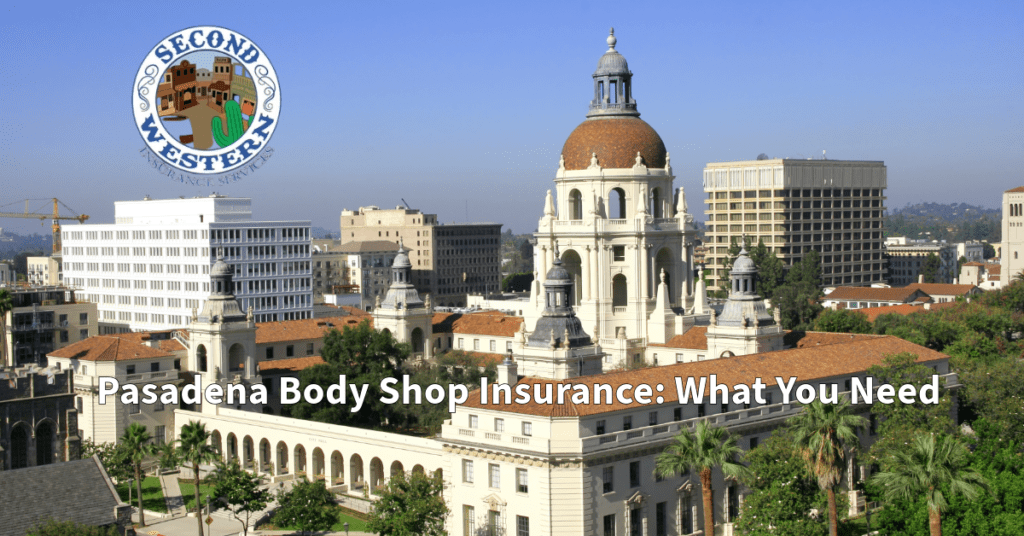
x,y
616,141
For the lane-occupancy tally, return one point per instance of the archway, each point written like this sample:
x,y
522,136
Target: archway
x,y
574,265
215,442
575,205
656,203
418,469
236,358
201,358
355,472
664,260
300,459
337,469
376,474
617,204
247,453
417,340
318,464
396,468
45,438
232,450
19,446
282,458
265,465
620,291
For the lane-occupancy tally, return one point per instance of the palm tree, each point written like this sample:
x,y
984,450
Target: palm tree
x,y
929,465
168,455
6,304
136,442
195,450
701,450
820,434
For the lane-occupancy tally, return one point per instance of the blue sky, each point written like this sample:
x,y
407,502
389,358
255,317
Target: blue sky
x,y
462,108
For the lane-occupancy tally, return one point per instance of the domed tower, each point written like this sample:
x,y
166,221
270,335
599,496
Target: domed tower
x,y
222,338
402,312
615,217
744,327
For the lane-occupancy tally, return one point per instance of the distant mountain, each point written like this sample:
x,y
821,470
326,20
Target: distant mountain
x,y
954,222
950,212
12,243
320,232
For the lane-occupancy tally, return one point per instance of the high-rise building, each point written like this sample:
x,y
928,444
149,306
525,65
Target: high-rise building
x,y
150,269
449,261
835,207
1012,254
907,258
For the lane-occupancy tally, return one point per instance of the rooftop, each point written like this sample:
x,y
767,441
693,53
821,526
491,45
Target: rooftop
x,y
493,323
305,329
942,289
109,348
286,366
899,294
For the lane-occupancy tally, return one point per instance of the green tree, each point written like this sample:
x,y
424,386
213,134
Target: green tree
x,y
889,321
365,356
306,507
168,456
137,443
782,492
842,321
410,504
993,391
195,450
933,466
239,492
6,304
930,268
821,433
701,450
114,457
517,282
798,298
770,270
70,528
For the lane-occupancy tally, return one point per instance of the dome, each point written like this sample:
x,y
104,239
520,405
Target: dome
x,y
616,141
743,264
221,268
402,258
611,63
557,273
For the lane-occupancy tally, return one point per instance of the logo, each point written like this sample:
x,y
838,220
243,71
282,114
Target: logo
x,y
206,101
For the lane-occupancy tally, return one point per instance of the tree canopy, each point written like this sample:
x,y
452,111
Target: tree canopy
x,y
410,504
306,507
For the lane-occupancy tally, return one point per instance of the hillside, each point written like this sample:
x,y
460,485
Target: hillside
x,y
954,222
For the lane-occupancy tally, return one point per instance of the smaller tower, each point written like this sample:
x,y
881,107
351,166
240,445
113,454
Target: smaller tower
x,y
613,92
402,312
744,326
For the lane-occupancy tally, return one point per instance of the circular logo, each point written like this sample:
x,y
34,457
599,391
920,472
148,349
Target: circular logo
x,y
206,100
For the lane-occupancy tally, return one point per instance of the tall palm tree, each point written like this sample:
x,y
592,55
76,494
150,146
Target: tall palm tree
x,y
701,450
195,449
929,465
136,442
821,433
6,305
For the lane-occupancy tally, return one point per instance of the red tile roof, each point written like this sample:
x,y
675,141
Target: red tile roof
x,y
1015,190
994,269
493,323
806,364
898,294
811,339
305,329
109,348
902,309
695,338
169,344
942,289
286,366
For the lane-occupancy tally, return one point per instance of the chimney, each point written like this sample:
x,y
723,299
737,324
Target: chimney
x,y
508,371
920,278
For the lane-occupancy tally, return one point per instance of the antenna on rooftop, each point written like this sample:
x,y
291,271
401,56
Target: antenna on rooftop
x,y
823,157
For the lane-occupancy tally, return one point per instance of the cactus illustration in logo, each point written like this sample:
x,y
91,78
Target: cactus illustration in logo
x,y
235,126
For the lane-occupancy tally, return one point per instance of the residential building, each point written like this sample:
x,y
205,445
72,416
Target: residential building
x,y
449,261
7,275
835,207
39,424
44,271
945,292
863,297
150,270
44,319
907,257
984,275
79,491
1011,254
131,359
367,269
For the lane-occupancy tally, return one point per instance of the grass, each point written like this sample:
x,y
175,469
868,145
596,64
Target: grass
x,y
188,493
152,494
356,525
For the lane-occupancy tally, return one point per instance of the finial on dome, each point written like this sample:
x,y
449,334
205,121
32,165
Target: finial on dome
x,y
401,244
611,40
743,245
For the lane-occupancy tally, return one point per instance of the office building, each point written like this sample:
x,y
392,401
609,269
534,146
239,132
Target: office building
x,y
907,258
835,207
150,269
44,271
44,319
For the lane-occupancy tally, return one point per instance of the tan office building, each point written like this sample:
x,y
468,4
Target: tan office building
x,y
835,207
449,261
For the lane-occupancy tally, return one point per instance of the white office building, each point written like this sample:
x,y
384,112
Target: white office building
x,y
150,269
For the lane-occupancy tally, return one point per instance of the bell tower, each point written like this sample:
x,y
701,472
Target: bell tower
x,y
403,313
744,327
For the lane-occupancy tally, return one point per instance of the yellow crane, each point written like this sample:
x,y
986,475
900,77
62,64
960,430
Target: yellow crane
x,y
42,216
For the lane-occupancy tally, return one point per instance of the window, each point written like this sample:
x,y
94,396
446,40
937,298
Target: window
x,y
177,364
476,344
130,369
608,477
493,522
609,525
134,409
527,429
473,421
636,521
522,483
158,405
677,414
659,519
270,352
600,427
619,253
154,367
64,335
159,433
467,471
627,422
83,334
78,404
753,443
634,474
499,425
309,348
83,318
652,418
460,343
494,475
468,520
522,526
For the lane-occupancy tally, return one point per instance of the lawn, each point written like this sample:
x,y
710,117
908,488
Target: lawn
x,y
152,494
188,492
354,524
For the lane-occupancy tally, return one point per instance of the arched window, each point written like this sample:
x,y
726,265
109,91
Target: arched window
x,y
575,205
619,291
617,204
201,358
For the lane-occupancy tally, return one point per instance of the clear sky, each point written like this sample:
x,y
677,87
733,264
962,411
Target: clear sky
x,y
462,108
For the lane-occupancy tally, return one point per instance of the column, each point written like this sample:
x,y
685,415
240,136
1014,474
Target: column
x,y
543,257
585,274
642,248
593,266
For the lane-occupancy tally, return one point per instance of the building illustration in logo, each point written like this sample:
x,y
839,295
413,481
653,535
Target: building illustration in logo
x,y
200,96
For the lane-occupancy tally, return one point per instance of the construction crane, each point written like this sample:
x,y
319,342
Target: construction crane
x,y
42,216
